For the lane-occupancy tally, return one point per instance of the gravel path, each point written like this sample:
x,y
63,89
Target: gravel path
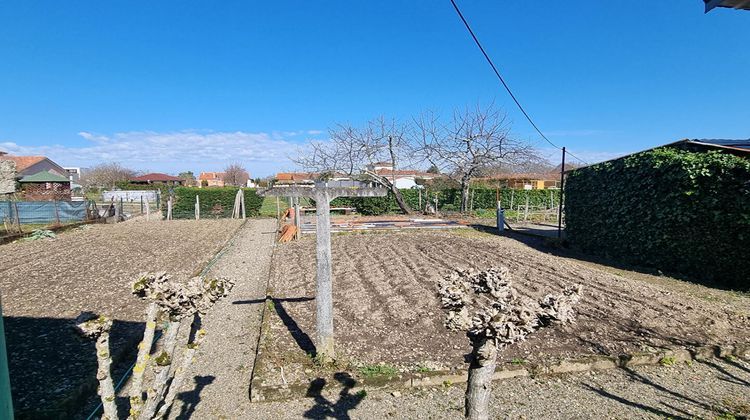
x,y
221,370
702,390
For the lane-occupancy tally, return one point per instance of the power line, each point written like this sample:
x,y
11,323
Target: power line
x,y
505,85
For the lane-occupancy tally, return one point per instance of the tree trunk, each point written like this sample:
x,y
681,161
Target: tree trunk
x,y
400,200
464,195
481,369
106,388
144,348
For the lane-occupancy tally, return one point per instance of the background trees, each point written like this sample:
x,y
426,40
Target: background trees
x,y
471,142
354,151
106,175
235,175
466,143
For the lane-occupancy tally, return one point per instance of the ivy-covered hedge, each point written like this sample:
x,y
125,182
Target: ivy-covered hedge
x,y
215,202
671,209
450,200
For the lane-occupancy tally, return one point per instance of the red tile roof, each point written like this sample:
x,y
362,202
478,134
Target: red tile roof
x,y
156,177
23,162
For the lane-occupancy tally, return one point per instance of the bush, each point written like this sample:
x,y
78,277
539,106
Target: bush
x,y
215,202
671,209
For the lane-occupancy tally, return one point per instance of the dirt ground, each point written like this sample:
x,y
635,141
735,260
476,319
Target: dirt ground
x,y
45,284
387,311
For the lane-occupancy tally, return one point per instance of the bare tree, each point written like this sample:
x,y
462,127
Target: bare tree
x,y
189,178
355,151
471,140
235,175
106,175
485,305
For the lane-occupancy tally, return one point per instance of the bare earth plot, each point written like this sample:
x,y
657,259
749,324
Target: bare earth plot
x,y
46,284
387,312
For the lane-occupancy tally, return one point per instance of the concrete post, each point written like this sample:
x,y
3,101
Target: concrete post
x,y
197,207
500,218
324,297
297,220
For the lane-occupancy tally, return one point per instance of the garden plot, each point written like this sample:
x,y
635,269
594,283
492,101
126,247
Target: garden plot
x,y
388,317
47,283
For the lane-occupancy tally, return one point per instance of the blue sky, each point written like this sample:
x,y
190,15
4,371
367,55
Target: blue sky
x,y
170,86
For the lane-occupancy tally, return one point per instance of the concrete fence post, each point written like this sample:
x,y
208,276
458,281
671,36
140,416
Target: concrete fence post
x,y
197,207
324,296
500,218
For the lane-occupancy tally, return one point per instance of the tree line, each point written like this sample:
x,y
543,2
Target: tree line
x,y
468,143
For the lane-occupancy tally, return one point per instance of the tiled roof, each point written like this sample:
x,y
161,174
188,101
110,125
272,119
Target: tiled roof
x,y
23,162
156,177
44,176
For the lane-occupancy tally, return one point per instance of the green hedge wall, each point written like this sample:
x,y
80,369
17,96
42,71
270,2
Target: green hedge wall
x,y
215,202
450,200
678,211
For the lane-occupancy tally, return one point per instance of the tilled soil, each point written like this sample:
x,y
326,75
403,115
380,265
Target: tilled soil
x,y
387,311
47,283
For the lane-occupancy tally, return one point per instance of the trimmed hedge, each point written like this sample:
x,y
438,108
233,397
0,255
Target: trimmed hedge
x,y
215,202
671,209
449,200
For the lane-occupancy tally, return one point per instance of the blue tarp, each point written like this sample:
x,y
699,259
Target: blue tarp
x,y
38,212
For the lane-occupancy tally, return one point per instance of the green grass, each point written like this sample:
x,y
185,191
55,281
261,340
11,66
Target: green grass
x,y
268,208
371,371
667,361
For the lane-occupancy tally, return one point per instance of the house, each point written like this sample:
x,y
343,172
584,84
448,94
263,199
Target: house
x,y
157,178
211,179
403,178
29,165
734,4
45,186
74,174
305,177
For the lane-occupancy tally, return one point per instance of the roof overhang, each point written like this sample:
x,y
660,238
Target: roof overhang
x,y
734,4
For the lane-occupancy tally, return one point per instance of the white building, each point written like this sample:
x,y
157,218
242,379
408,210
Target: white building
x,y
406,178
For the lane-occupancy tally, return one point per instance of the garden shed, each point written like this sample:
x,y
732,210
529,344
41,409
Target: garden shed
x,y
45,186
681,208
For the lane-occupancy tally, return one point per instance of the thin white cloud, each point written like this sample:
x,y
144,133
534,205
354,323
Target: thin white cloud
x,y
193,150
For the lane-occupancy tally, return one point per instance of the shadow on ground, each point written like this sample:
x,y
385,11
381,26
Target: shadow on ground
x,y
53,369
548,243
302,339
339,409
720,406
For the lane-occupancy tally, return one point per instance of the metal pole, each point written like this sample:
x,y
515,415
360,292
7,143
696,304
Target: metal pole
x,y
560,204
6,402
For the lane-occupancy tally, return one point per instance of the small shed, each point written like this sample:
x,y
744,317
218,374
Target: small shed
x,y
45,186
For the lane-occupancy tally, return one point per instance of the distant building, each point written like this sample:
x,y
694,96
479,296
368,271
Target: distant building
x,y
211,179
29,165
403,178
157,178
74,174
